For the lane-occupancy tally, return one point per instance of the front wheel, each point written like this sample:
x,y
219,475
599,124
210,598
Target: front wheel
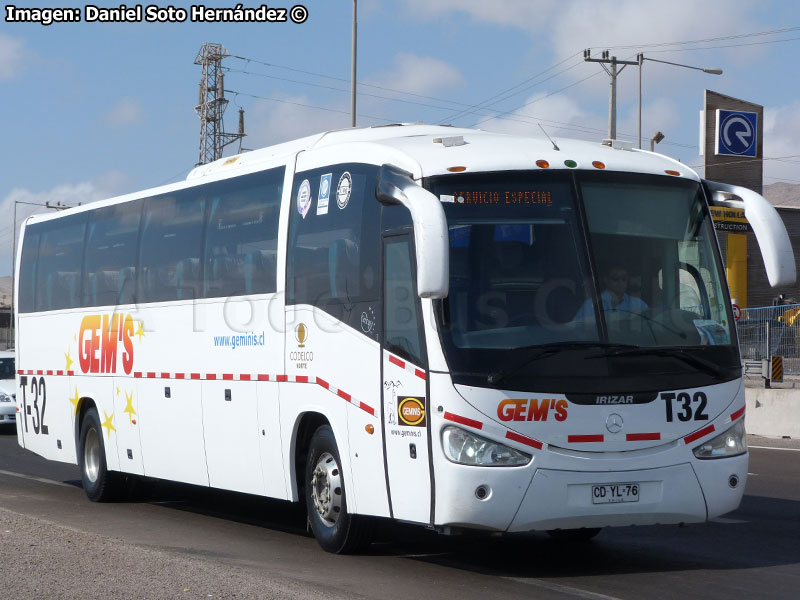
x,y
335,529
100,484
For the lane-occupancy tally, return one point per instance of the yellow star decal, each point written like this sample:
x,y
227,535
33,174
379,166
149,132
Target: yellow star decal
x,y
140,332
118,392
108,424
69,360
76,400
129,407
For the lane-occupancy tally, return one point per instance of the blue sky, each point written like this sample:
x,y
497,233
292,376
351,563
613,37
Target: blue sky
x,y
98,109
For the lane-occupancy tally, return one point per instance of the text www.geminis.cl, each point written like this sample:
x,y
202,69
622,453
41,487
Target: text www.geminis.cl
x,y
245,340
153,13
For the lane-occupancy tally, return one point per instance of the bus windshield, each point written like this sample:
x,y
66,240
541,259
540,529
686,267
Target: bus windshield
x,y
616,270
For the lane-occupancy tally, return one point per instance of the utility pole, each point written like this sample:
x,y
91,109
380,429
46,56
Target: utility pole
x,y
353,69
613,72
212,105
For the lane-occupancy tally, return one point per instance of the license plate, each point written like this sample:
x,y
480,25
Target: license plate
x,y
615,492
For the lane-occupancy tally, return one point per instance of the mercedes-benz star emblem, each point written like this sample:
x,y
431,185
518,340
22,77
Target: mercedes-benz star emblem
x,y
614,423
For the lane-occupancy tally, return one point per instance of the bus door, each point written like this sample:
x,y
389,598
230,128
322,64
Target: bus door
x,y
404,401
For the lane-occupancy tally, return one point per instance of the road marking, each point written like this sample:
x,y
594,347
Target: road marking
x,y
32,478
563,589
728,521
773,448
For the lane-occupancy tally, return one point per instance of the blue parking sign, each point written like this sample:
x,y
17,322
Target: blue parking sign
x,y
737,133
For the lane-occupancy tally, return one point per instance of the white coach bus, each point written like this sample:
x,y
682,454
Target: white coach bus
x,y
439,326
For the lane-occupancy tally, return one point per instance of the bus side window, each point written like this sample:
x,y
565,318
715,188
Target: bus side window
x,y
169,256
402,324
334,251
111,254
241,239
60,263
27,270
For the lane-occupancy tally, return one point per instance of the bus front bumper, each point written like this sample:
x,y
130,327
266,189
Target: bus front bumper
x,y
683,493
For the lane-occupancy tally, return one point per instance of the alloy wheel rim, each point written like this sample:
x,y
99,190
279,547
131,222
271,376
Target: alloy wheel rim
x,y
326,489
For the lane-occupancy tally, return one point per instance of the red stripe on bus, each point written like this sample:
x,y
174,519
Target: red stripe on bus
x,y
211,376
59,372
323,383
244,377
463,420
40,372
738,413
195,376
165,376
227,376
180,375
49,372
367,408
580,439
151,374
70,373
698,434
263,377
281,378
516,437
397,361
137,374
301,379
419,373
20,372
345,395
643,437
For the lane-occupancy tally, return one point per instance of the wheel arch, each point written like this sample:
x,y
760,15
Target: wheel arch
x,y
85,404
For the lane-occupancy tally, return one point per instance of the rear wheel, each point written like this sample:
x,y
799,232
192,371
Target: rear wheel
x,y
100,484
336,530
574,535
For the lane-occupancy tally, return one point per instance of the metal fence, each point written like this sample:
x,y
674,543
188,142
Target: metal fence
x,y
771,331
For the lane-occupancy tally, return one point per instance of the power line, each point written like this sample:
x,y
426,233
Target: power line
x,y
496,98
701,41
325,108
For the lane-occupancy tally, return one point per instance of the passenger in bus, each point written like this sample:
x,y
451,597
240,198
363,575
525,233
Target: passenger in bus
x,y
615,295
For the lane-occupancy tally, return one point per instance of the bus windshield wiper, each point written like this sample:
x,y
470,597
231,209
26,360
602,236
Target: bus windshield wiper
x,y
538,351
680,353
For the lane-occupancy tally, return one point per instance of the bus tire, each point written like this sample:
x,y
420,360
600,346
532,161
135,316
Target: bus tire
x,y
583,534
100,484
335,529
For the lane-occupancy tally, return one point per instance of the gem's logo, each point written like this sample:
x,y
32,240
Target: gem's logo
x,y
523,409
101,339
411,411
301,335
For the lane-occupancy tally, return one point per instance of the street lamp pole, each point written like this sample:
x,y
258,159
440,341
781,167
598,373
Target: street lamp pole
x,y
641,58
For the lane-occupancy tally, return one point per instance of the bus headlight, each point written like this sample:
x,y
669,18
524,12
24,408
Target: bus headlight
x,y
730,443
466,448
5,397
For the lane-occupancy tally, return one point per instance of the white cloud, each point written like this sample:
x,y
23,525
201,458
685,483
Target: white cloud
x,y
524,14
11,56
418,75
105,186
781,135
560,115
127,111
274,122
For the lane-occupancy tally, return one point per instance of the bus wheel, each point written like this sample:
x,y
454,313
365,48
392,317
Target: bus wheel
x,y
336,530
100,484
574,535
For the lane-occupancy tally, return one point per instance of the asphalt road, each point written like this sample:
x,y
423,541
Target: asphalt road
x,y
179,541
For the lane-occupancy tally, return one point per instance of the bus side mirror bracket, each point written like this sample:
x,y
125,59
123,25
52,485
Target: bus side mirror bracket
x,y
396,186
773,240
